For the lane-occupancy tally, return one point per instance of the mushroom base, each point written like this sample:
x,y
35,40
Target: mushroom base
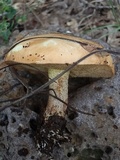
x,y
52,134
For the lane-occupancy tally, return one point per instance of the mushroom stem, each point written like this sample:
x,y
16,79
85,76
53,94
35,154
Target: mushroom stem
x,y
58,88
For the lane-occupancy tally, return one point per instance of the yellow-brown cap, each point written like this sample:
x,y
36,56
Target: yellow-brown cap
x,y
59,51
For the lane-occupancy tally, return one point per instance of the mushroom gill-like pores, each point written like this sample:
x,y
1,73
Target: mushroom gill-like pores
x,y
53,53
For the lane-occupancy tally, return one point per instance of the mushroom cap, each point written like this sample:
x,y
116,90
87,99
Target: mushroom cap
x,y
58,51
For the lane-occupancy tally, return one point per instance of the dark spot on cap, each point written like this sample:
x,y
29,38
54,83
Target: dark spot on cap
x,y
26,45
66,64
61,54
30,54
23,57
42,56
106,62
23,152
35,53
38,55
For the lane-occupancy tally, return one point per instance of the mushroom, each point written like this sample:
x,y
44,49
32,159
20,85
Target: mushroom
x,y
53,53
